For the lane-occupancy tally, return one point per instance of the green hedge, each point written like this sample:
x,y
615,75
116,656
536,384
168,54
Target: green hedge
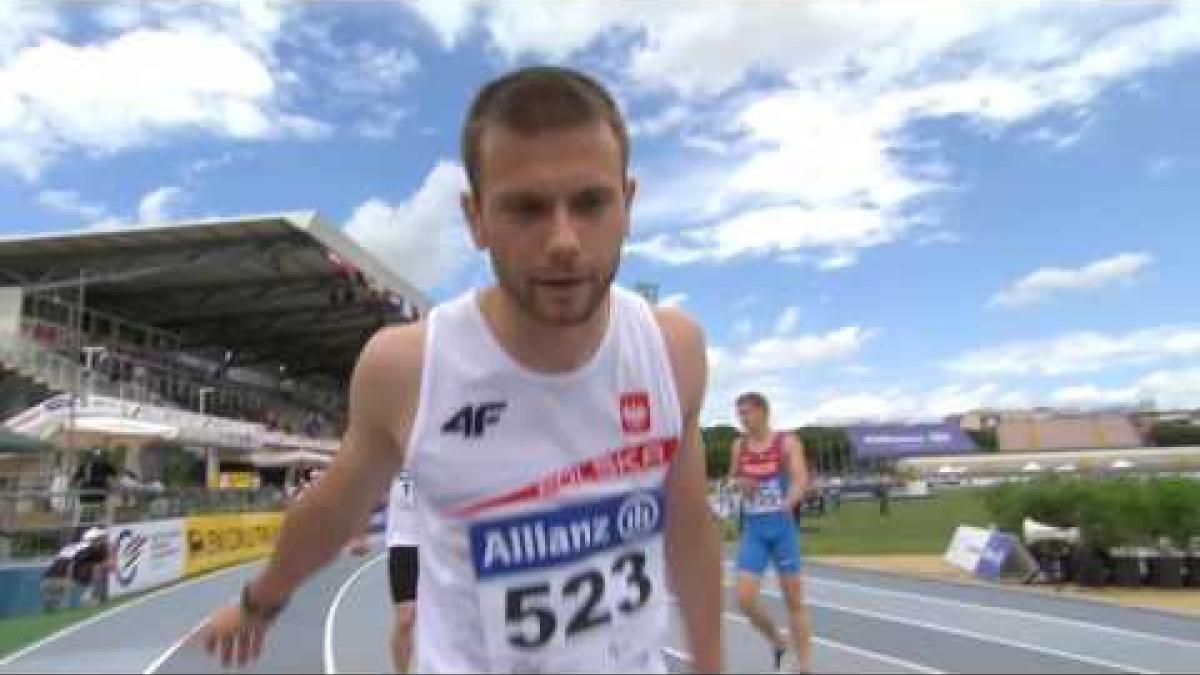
x,y
1109,512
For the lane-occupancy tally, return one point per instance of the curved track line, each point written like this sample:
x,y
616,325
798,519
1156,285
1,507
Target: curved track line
x,y
331,616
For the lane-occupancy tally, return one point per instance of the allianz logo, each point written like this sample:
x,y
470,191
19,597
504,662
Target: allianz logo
x,y
546,538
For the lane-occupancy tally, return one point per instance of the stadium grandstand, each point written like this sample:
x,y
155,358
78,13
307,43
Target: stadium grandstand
x,y
229,340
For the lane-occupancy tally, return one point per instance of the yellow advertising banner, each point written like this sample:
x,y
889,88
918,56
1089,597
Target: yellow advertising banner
x,y
222,540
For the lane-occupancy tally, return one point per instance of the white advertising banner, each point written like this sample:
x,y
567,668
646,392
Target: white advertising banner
x,y
967,546
146,555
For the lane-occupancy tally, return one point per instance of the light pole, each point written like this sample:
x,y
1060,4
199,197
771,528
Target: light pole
x,y
211,466
204,392
90,353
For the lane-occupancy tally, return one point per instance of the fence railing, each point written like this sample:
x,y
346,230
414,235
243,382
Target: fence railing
x,y
38,523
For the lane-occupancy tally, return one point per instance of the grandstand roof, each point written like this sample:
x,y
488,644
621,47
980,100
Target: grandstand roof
x,y
278,288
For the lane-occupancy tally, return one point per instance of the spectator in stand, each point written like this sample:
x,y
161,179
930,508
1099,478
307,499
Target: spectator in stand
x,y
94,478
312,425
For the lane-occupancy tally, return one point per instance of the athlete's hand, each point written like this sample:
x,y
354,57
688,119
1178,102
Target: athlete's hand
x,y
236,636
746,486
795,498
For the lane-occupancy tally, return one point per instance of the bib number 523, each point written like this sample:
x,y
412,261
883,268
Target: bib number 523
x,y
525,607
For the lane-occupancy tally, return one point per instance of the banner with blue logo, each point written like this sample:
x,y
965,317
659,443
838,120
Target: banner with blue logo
x,y
558,537
980,552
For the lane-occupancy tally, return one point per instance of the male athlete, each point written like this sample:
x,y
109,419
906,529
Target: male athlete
x,y
769,468
401,537
550,422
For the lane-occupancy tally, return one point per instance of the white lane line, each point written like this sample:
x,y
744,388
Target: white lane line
x,y
330,667
112,611
857,651
878,656
162,658
1008,611
1005,642
832,644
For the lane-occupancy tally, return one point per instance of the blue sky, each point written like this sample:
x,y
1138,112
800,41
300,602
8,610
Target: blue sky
x,y
875,211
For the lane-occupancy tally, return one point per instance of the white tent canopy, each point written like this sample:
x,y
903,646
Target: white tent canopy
x,y
288,458
121,426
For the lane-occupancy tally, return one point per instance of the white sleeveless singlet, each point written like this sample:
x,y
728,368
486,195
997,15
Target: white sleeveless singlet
x,y
541,507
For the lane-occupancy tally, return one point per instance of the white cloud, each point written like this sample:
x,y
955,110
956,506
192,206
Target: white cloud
x,y
449,19
794,405
206,164
69,202
674,300
788,320
108,223
773,364
1046,282
940,237
1079,352
1090,396
201,67
423,239
158,205
22,23
708,144
384,123
804,350
838,138
372,70
898,404
1166,388
777,230
1171,388
666,120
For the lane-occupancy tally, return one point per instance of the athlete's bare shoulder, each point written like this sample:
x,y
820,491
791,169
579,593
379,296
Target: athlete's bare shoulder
x,y
397,349
685,345
385,387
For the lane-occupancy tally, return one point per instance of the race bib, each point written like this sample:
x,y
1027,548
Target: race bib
x,y
767,497
573,588
402,491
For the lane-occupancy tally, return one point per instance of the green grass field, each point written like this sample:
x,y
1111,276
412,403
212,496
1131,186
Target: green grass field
x,y
18,631
914,526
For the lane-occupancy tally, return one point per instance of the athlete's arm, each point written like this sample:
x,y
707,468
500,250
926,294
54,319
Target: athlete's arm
x,y
693,540
735,449
383,389
798,469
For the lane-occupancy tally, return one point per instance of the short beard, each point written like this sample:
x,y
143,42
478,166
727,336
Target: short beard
x,y
523,296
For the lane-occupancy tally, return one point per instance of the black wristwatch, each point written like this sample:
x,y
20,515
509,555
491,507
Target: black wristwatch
x,y
254,610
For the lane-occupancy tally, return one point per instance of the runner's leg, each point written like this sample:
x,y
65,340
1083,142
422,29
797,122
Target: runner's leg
x,y
402,577
752,562
787,563
402,635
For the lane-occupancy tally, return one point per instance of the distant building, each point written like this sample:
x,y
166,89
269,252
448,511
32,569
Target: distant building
x,y
1046,430
979,420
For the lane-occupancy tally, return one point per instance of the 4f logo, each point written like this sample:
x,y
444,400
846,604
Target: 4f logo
x,y
472,420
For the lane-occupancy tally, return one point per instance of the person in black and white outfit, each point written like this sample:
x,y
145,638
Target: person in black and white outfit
x,y
401,537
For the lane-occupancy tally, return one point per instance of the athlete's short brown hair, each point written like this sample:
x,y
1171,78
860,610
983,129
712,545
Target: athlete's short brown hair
x,y
535,99
755,398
